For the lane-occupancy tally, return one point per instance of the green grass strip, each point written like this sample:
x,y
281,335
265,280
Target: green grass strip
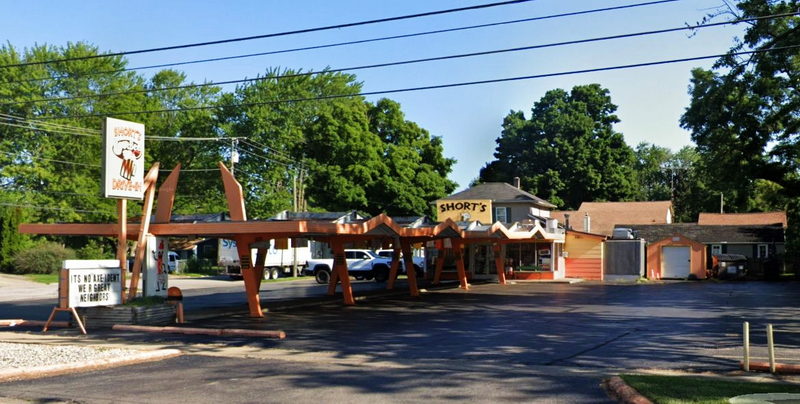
x,y
697,389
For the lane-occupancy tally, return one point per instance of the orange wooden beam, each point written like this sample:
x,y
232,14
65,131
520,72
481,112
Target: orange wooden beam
x,y
437,275
340,267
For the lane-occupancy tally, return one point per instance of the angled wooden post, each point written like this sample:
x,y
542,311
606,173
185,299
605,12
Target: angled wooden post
x,y
147,208
459,256
166,196
233,193
340,268
499,262
395,265
235,198
411,273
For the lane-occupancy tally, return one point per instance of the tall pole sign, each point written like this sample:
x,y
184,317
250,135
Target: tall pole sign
x,y
123,175
123,159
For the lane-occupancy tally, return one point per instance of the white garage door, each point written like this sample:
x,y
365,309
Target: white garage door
x,y
675,262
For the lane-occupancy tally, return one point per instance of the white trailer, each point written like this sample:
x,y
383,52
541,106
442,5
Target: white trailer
x,y
279,261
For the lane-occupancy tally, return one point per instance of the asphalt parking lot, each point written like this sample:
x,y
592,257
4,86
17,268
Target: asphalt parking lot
x,y
524,342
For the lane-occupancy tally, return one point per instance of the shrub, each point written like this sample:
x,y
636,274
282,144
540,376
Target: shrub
x,y
44,258
93,250
199,266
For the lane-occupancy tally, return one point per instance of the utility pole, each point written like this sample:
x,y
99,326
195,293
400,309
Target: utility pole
x,y
234,153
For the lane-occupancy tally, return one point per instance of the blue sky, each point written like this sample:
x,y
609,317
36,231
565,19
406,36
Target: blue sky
x,y
468,119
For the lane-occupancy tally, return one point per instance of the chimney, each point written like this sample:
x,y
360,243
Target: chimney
x,y
516,183
587,223
566,221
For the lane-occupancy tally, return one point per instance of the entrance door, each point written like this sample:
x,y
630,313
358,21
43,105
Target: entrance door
x,y
483,262
675,262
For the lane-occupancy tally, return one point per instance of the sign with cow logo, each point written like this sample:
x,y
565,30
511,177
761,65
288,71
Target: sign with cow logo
x,y
123,159
464,210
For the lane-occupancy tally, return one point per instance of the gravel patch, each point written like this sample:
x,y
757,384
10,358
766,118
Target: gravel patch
x,y
22,356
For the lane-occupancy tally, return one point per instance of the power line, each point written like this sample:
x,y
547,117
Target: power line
x,y
272,35
355,42
405,62
435,86
32,157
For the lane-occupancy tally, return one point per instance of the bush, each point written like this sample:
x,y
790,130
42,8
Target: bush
x,y
44,258
199,266
93,250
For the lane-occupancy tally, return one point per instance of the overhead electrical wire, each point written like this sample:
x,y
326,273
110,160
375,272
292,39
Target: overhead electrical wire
x,y
355,42
403,62
434,86
273,35
37,207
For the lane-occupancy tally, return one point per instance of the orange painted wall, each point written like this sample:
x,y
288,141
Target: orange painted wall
x,y
585,256
697,255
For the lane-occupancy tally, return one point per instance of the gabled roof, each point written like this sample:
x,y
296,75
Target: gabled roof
x,y
604,215
760,218
499,192
710,234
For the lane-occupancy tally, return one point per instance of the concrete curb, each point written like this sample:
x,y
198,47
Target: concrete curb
x,y
780,368
7,375
622,392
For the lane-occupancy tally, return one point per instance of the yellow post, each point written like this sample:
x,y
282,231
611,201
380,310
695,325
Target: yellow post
x,y
746,336
771,349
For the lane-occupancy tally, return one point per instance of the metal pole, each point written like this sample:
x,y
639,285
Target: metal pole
x,y
746,336
771,348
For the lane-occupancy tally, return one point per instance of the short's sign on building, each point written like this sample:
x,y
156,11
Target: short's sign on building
x,y
464,210
86,283
156,268
123,159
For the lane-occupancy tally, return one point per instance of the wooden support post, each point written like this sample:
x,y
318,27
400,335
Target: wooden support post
x,y
251,287
771,349
746,347
70,310
459,256
394,266
147,207
334,279
437,275
411,273
499,263
122,241
340,268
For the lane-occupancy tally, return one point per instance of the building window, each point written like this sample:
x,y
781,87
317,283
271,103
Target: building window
x,y
763,251
501,215
716,249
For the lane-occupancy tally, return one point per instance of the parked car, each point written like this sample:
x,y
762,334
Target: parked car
x,y
729,266
419,262
361,264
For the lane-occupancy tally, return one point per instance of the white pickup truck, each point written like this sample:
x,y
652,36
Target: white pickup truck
x,y
361,264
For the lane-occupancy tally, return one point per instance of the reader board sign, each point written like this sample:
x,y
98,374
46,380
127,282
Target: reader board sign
x,y
123,159
156,268
86,283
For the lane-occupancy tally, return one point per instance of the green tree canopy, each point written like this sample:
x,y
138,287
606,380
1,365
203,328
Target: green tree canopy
x,y
568,151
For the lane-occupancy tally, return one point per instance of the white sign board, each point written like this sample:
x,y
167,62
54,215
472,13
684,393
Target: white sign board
x,y
91,283
156,267
123,159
